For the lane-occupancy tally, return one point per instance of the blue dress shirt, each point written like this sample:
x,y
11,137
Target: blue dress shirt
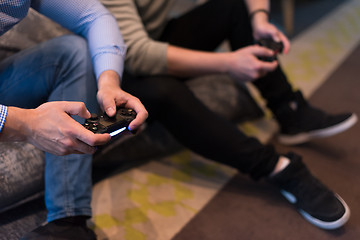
x,y
3,113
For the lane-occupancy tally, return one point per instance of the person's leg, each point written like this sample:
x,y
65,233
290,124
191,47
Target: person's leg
x,y
203,29
57,70
208,25
51,71
169,101
172,103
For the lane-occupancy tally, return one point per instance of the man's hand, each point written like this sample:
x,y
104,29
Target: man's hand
x,y
244,64
51,128
111,95
262,28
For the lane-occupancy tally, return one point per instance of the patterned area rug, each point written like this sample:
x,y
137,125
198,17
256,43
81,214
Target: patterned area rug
x,y
155,200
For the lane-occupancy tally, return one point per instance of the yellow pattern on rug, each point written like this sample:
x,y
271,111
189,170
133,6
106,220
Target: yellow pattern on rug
x,y
155,200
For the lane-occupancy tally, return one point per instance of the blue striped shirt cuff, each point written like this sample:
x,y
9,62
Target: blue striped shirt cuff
x,y
3,114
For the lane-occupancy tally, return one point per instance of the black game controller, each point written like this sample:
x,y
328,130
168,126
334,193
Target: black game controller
x,y
277,47
112,125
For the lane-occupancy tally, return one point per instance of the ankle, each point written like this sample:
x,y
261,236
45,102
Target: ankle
x,y
78,220
282,163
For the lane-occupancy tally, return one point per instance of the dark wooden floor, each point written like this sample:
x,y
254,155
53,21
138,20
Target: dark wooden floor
x,y
247,210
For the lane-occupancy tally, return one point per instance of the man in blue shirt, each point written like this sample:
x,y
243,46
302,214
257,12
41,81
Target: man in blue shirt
x,y
41,87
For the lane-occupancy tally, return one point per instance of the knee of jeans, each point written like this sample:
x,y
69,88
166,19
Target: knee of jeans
x,y
72,42
74,48
75,78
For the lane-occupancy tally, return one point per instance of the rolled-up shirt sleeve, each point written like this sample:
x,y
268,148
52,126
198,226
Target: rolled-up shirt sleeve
x,y
145,55
3,114
94,22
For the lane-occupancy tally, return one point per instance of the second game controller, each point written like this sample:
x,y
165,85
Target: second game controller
x,y
112,125
277,47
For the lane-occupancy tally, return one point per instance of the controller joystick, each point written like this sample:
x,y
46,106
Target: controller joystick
x,y
112,125
277,47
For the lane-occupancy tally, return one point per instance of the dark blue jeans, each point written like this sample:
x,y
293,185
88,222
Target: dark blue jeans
x,y
57,70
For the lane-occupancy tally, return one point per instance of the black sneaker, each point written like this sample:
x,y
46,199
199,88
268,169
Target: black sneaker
x,y
314,201
62,229
299,122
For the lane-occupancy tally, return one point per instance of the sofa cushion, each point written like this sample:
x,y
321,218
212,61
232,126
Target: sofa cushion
x,y
21,173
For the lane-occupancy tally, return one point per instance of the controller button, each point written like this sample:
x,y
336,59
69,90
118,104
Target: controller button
x,y
94,116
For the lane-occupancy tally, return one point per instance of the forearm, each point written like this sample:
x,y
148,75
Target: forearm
x,y
260,16
13,129
41,128
258,4
242,64
187,63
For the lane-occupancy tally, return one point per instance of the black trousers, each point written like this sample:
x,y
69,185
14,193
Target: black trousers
x,y
170,101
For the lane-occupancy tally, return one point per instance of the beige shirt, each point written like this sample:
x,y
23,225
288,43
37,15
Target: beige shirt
x,y
141,23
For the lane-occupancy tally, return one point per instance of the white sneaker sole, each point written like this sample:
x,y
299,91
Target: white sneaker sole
x,y
317,222
326,132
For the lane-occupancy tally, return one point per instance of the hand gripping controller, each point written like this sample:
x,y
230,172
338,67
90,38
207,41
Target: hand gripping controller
x,y
277,47
112,125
